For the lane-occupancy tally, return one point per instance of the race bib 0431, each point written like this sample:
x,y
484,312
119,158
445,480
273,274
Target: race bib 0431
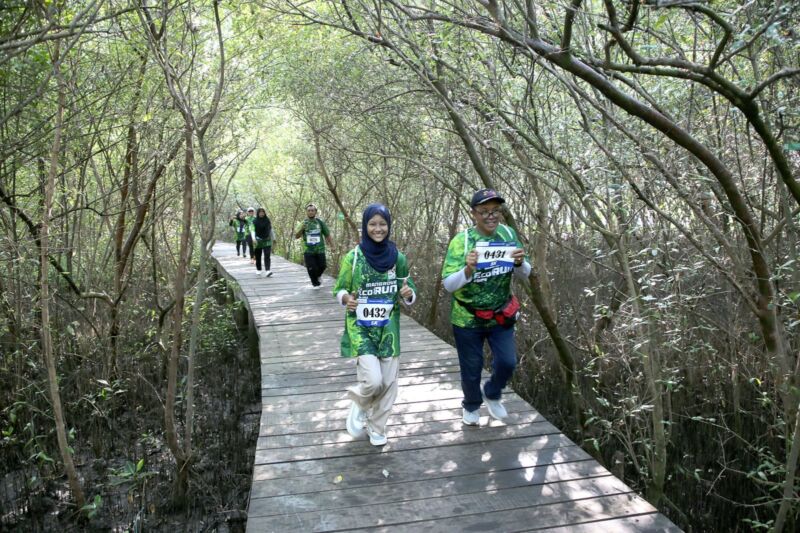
x,y
373,312
495,254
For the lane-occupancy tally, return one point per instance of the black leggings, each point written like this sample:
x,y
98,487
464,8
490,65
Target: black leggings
x,y
249,242
267,261
243,246
315,264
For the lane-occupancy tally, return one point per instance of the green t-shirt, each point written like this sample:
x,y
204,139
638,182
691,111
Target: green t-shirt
x,y
490,287
375,328
240,231
251,227
314,232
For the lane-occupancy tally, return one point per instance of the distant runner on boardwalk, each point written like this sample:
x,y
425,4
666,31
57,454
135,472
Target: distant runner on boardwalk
x,y
315,234
240,232
251,241
263,236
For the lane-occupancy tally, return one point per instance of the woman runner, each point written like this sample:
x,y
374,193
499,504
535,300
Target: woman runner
x,y
240,232
251,240
372,277
262,231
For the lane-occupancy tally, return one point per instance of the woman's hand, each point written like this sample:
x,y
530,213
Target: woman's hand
x,y
350,301
405,291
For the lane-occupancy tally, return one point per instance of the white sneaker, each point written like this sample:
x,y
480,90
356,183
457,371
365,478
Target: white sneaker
x,y
355,421
316,287
470,418
376,439
268,273
495,408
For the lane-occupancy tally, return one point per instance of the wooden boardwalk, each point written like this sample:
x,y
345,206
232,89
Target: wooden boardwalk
x,y
434,474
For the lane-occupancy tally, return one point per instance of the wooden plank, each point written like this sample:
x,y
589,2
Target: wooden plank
x,y
424,390
410,465
406,413
286,423
645,523
399,425
543,503
346,377
520,519
327,335
337,400
411,354
438,456
337,386
277,365
410,437
313,404
408,327
311,377
374,479
388,489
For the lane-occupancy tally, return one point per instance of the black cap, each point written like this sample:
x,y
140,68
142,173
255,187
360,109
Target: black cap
x,y
484,195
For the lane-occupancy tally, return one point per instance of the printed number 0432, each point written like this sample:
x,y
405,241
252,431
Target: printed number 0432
x,y
375,312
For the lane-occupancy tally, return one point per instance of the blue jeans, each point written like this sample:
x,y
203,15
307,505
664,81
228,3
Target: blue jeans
x,y
469,343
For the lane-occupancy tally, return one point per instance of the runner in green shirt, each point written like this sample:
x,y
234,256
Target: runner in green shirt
x,y
251,230
372,278
240,233
478,269
314,233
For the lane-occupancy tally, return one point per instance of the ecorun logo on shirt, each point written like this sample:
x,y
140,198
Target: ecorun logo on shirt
x,y
378,288
481,276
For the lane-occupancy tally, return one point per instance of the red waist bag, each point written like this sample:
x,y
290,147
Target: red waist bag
x,y
508,313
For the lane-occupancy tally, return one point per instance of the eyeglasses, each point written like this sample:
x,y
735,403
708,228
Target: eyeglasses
x,y
494,213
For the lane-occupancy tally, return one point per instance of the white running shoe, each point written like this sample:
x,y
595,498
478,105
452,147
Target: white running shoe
x,y
268,274
355,421
376,439
470,418
495,408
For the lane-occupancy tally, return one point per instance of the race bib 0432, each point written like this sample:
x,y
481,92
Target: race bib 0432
x,y
495,254
373,312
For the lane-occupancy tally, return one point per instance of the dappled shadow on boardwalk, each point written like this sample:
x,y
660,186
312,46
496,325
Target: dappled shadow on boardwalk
x,y
435,474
